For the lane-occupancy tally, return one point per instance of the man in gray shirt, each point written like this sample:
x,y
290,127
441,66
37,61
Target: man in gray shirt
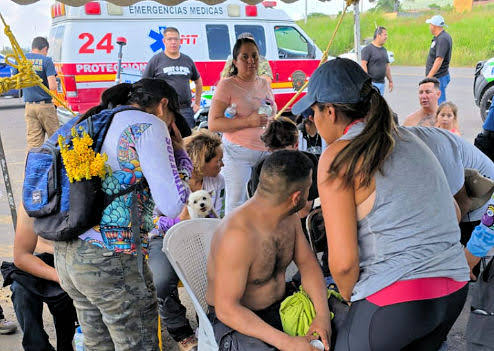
x,y
178,70
437,64
375,60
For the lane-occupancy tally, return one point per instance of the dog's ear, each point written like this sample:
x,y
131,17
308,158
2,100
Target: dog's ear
x,y
211,193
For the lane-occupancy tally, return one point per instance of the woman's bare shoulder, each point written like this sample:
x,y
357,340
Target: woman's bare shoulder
x,y
332,151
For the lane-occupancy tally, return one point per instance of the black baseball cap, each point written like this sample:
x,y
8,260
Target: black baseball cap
x,y
337,81
171,94
180,122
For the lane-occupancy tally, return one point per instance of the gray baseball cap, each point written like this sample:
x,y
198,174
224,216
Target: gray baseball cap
x,y
436,20
337,81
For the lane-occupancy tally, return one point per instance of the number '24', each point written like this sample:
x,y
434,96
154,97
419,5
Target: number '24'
x,y
104,44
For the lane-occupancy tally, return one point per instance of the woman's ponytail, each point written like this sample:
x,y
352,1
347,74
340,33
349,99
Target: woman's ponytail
x,y
366,153
111,97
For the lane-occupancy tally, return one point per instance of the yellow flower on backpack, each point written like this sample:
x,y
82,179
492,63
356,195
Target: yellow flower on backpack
x,y
80,161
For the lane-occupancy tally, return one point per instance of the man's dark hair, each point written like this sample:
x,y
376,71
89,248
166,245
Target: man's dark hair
x,y
170,29
379,30
430,80
283,173
39,43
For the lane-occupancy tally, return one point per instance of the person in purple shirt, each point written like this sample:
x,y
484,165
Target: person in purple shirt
x,y
205,151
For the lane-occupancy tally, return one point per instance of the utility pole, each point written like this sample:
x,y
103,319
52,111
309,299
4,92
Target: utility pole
x,y
306,11
356,34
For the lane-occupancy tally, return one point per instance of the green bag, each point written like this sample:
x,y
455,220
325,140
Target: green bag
x,y
297,312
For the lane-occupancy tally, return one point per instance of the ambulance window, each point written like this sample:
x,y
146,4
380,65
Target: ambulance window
x,y
257,32
218,41
291,44
55,41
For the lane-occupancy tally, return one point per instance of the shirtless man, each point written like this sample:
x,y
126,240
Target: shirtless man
x,y
249,255
429,94
34,282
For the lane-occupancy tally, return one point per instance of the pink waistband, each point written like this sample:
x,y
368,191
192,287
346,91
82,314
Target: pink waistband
x,y
415,289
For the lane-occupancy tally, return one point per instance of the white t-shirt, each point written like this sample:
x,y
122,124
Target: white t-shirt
x,y
218,185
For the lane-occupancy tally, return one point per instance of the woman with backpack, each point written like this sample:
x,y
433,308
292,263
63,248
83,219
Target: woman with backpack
x,y
391,225
103,271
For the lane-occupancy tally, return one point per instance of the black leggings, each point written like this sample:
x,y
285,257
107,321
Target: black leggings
x,y
415,325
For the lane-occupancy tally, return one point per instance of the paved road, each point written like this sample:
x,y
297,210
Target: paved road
x,y
403,100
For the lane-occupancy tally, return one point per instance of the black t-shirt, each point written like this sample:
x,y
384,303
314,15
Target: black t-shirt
x,y
377,59
256,173
441,46
177,72
313,144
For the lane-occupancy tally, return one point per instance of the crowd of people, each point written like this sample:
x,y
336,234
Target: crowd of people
x,y
405,226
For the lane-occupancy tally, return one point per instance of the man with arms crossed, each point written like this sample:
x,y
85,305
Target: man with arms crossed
x,y
249,257
429,94
177,69
375,60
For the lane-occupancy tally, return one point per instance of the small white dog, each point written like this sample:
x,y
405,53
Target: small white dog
x,y
200,204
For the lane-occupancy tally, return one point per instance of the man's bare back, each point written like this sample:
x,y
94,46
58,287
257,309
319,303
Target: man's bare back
x,y
420,118
270,250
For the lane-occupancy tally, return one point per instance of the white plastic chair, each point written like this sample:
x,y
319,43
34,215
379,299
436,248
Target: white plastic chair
x,y
187,245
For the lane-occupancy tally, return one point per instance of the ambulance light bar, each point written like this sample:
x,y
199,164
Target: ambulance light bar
x,y
92,8
57,10
233,10
114,10
269,4
251,11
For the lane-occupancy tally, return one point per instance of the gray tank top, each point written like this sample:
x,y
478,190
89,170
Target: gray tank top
x,y
412,231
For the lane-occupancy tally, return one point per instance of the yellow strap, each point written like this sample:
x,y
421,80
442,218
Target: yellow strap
x,y
160,341
323,59
26,76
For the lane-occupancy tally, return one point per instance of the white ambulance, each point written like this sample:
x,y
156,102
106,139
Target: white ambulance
x,y
83,44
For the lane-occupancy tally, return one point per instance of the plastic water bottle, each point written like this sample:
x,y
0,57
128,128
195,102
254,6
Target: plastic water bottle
x,y
265,108
79,340
231,111
317,344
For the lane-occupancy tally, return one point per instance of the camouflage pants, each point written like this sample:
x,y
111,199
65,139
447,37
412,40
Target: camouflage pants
x,y
117,307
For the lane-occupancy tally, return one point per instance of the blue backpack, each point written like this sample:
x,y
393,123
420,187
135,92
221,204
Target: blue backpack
x,y
62,210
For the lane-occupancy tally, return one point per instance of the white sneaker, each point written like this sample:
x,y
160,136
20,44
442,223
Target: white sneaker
x,y
7,327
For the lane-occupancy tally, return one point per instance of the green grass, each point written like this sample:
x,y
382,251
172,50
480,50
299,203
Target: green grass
x,y
409,37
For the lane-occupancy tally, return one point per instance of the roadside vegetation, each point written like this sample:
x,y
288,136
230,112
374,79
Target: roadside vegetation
x,y
409,36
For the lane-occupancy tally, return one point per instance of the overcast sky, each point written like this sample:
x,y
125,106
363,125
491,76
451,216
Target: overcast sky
x,y
29,21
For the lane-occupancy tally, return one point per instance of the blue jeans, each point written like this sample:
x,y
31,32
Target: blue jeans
x,y
443,83
29,311
379,86
188,114
238,162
